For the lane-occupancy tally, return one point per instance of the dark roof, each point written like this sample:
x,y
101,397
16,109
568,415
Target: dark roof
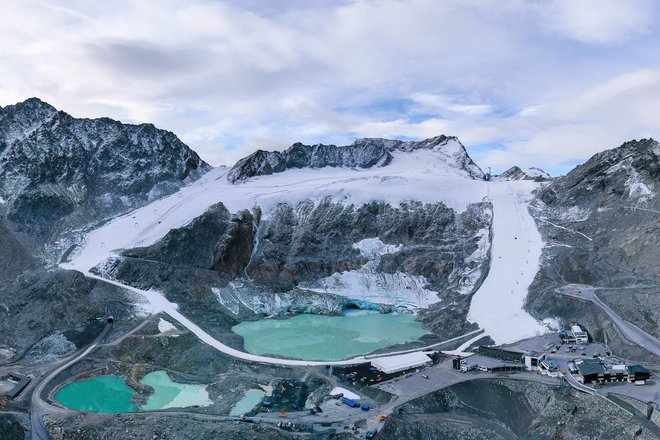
x,y
632,369
587,368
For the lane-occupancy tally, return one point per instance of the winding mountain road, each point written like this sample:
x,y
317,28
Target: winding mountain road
x,y
39,406
160,302
629,330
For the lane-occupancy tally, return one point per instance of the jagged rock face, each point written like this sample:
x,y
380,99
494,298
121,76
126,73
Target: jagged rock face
x,y
363,153
613,200
52,165
516,173
600,225
16,258
216,240
310,242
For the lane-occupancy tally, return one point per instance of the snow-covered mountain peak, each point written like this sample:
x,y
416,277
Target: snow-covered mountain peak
x,y
517,173
363,153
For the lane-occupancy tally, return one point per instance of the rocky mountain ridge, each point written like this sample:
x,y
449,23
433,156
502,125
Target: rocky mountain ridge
x,y
600,225
56,168
363,153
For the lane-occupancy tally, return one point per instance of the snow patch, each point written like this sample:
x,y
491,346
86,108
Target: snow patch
x,y
165,326
575,214
537,172
637,189
374,247
552,324
469,279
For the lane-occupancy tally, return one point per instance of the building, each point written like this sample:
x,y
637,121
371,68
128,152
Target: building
x,y
548,368
533,359
488,364
21,383
589,370
395,364
575,335
637,373
504,354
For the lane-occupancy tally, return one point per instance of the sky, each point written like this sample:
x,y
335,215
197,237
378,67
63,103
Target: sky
x,y
528,83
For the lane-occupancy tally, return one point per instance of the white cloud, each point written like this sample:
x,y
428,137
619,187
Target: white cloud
x,y
552,81
600,21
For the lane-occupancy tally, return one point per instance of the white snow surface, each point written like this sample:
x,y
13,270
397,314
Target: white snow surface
x,y
516,251
637,189
374,247
165,326
2,201
348,394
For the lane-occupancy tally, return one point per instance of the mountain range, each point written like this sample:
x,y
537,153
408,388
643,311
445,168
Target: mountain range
x,y
388,225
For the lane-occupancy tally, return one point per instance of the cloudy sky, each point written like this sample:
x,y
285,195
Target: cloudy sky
x,y
545,83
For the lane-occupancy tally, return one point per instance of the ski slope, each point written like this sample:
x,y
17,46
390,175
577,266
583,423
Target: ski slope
x,y
515,252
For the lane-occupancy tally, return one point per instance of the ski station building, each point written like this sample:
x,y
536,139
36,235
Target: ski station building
x,y
395,364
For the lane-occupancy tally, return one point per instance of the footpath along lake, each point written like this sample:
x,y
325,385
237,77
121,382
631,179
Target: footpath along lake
x,y
328,338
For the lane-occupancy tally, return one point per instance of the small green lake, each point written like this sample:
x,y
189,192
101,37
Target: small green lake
x,y
106,394
247,403
169,394
110,394
328,338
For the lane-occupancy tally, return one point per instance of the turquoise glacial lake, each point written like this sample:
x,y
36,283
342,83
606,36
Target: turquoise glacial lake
x,y
106,394
328,338
110,394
